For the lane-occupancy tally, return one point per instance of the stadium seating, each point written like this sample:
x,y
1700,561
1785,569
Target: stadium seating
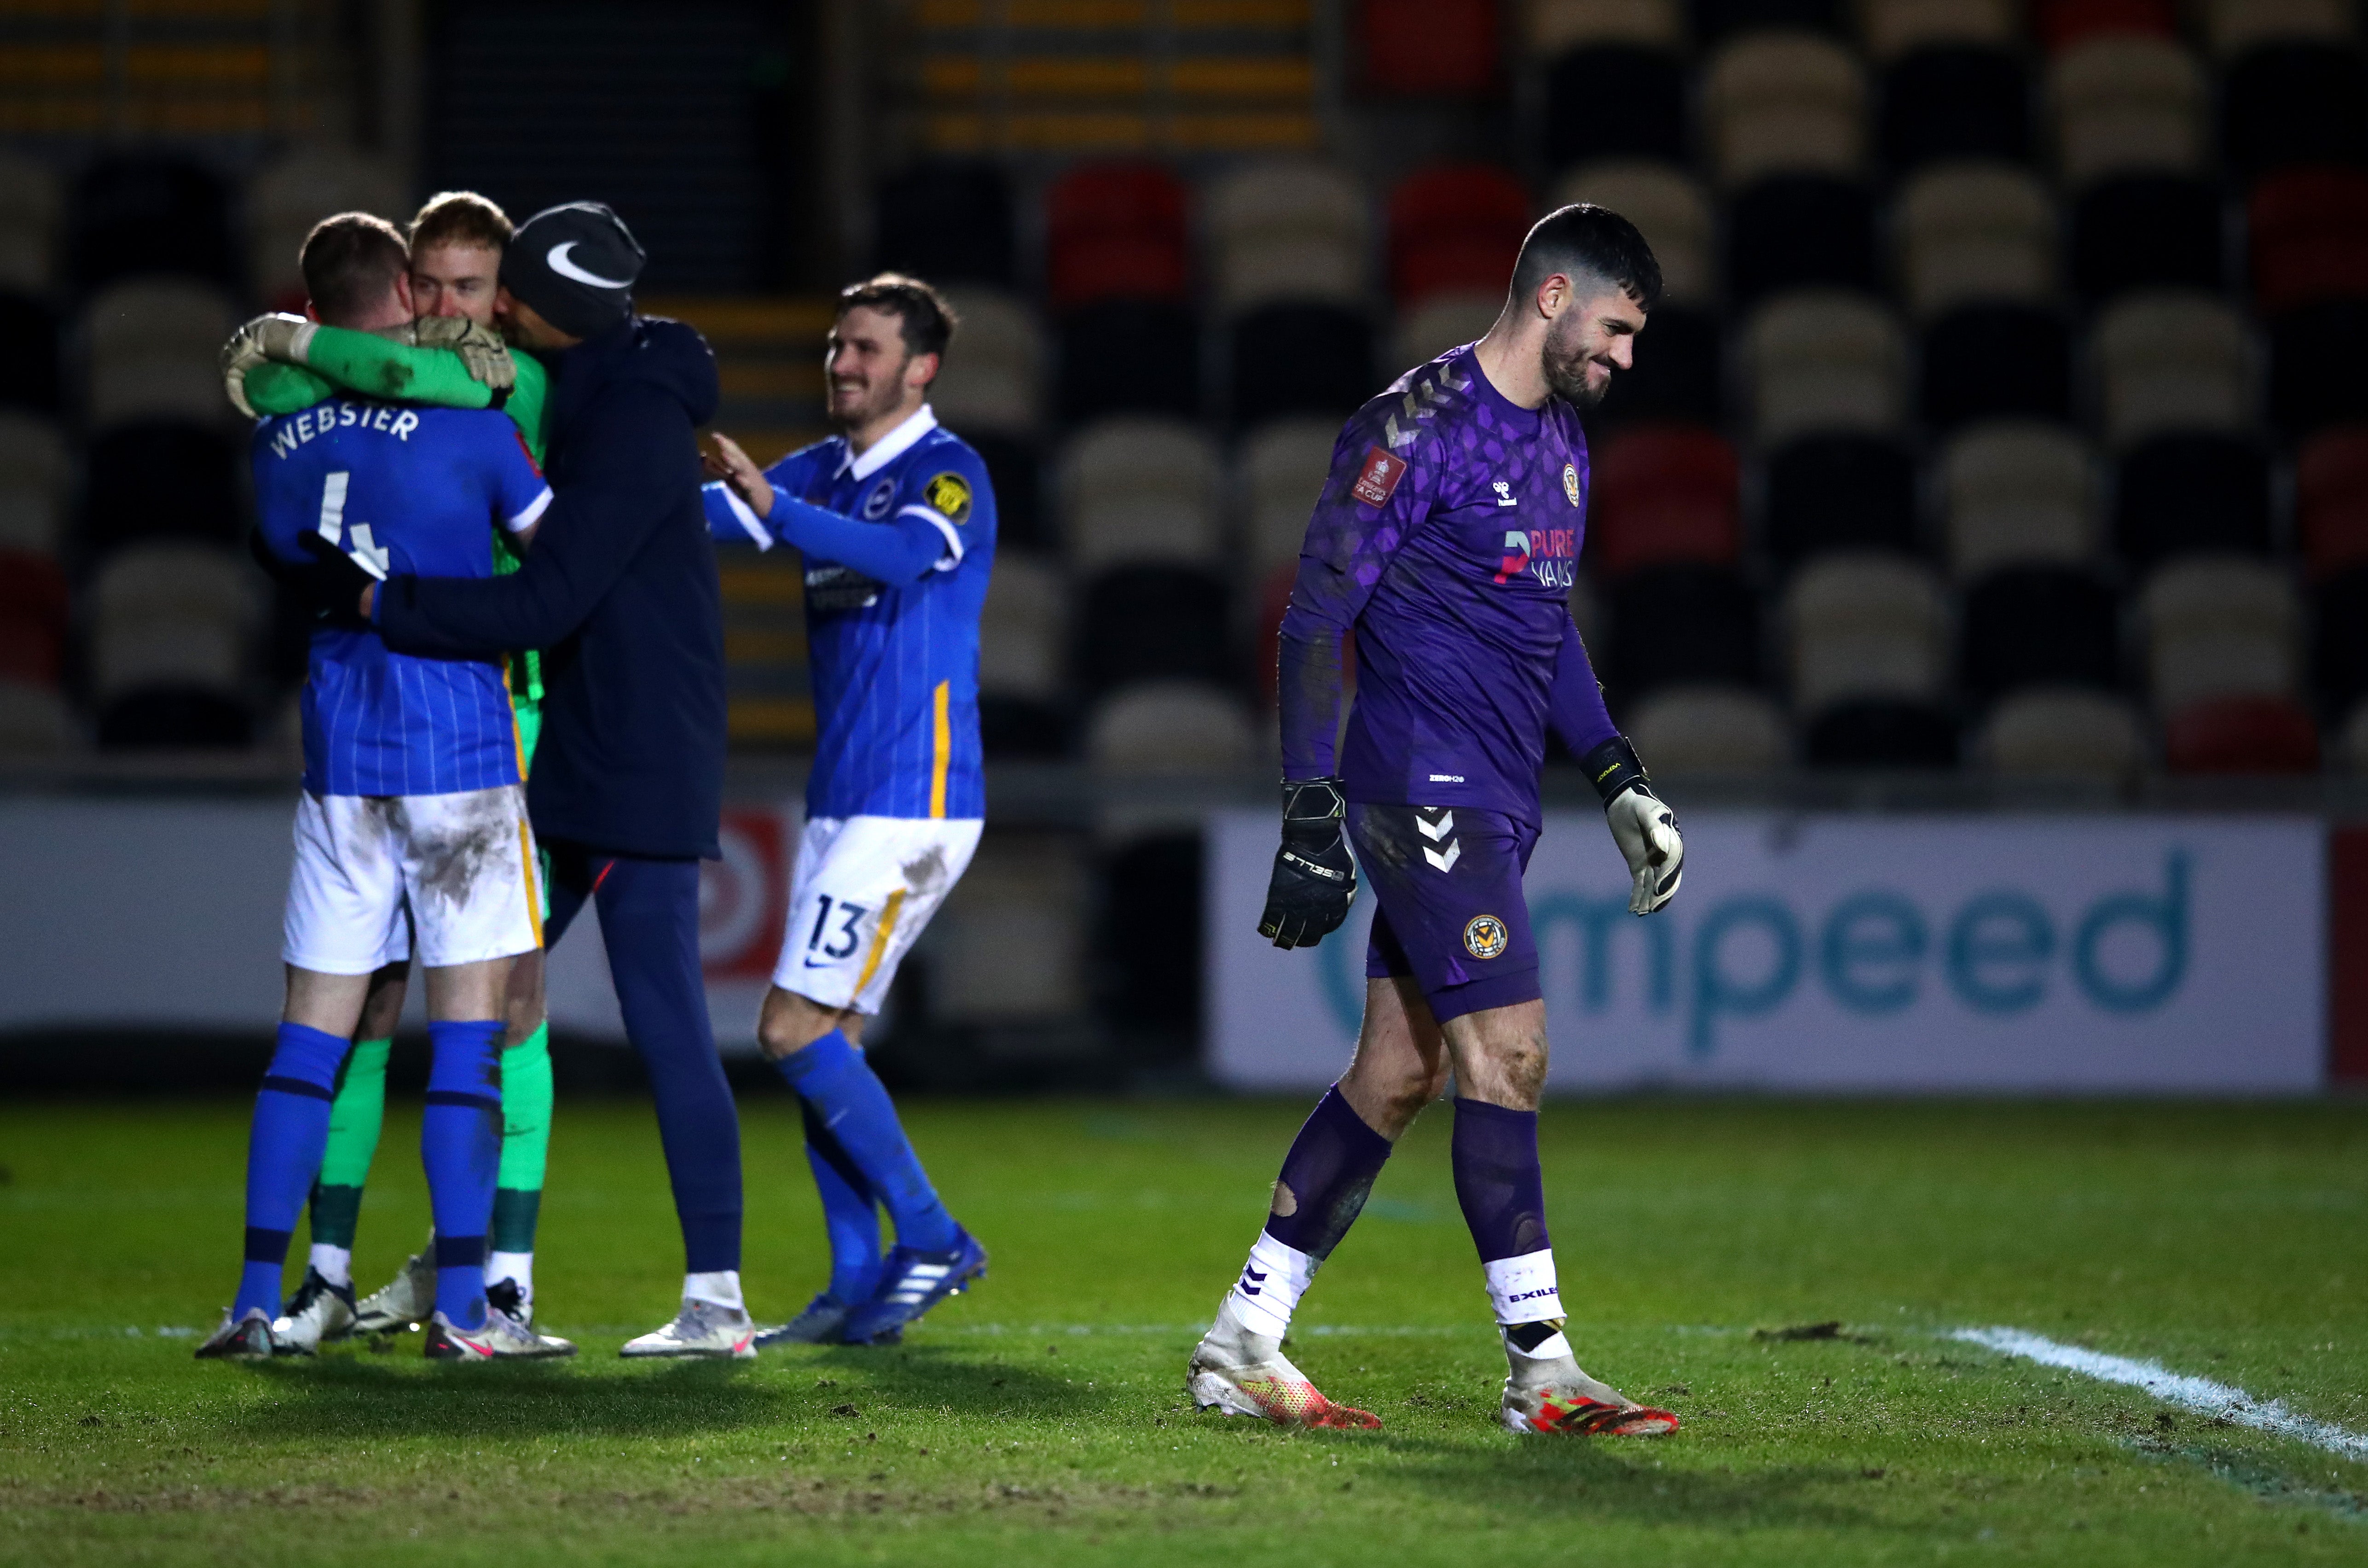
x,y
29,203
1022,657
34,722
35,474
1428,48
1782,102
1442,322
2235,25
1799,232
29,354
1616,100
1455,227
1972,232
2245,734
1117,231
2296,102
1150,927
2037,625
1138,491
1675,374
140,214
1718,20
172,630
1824,361
1893,27
1128,357
2316,353
2146,230
1661,493
1840,492
994,382
2016,493
2331,500
1668,207
154,480
1024,892
1015,470
152,345
1300,358
1153,623
1864,626
2121,103
2219,626
1953,101
2192,493
2062,23
1679,625
2048,734
949,221
2340,645
1881,732
1170,727
1550,26
1708,729
296,191
1286,231
2309,229
1996,361
2172,360
1277,479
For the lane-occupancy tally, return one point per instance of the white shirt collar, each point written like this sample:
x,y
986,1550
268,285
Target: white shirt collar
x,y
890,446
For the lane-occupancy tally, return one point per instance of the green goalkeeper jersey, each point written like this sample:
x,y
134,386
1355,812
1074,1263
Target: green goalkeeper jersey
x,y
366,363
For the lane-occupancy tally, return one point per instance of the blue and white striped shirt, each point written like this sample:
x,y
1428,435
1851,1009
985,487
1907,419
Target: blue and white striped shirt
x,y
894,665
423,486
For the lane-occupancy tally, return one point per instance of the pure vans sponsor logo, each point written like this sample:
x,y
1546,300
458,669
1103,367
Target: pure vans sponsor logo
x,y
293,433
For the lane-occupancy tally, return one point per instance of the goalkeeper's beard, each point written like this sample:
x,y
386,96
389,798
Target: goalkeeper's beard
x,y
1566,366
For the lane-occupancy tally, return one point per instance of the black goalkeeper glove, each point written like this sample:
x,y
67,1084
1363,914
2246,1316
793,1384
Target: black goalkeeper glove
x,y
335,579
1315,876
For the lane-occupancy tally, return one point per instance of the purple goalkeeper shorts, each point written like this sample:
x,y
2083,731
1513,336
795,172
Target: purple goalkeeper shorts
x,y
1452,916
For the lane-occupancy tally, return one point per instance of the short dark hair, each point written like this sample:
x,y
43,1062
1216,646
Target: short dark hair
x,y
924,319
1587,240
459,217
349,262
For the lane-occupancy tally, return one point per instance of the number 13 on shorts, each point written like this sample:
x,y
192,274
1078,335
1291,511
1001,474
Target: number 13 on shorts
x,y
863,890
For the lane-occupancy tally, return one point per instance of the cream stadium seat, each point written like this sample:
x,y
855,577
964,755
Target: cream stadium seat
x,y
2043,733
2220,626
2018,492
1709,729
993,383
1141,491
153,346
1864,626
2123,104
2172,359
1974,232
1671,210
1823,361
1783,103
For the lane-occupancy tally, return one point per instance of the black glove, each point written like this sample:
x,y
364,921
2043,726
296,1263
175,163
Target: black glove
x,y
1315,876
335,579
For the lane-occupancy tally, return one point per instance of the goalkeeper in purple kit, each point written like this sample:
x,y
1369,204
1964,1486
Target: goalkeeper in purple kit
x,y
1446,537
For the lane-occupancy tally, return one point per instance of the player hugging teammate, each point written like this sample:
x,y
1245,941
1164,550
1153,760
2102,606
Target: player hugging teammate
x,y
1446,538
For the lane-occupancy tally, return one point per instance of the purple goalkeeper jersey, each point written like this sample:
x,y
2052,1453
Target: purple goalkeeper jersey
x,y
1448,538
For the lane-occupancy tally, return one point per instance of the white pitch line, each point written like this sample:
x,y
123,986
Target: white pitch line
x,y
2199,1394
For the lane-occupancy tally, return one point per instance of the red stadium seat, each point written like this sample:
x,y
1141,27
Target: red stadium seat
x,y
1117,231
2241,734
1663,493
32,618
2331,500
2060,23
1456,226
1428,47
2309,234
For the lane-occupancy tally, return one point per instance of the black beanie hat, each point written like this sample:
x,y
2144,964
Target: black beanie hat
x,y
575,265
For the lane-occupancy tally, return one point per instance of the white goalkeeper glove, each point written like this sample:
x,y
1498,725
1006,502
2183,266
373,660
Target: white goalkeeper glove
x,y
1642,824
281,338
480,348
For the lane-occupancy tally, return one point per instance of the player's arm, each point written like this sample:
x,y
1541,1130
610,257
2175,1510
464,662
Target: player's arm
x,y
272,388
456,364
901,549
1371,499
1644,827
618,493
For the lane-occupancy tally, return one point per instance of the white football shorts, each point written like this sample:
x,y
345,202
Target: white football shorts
x,y
372,870
862,890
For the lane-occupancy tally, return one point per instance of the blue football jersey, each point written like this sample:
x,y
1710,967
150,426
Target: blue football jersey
x,y
421,485
894,666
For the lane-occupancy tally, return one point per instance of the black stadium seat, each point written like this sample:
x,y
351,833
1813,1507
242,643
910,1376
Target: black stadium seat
x,y
2339,665
2182,495
1800,231
1130,357
1014,471
1299,358
173,717
159,479
1996,361
1675,375
1956,101
2315,356
1882,733
2295,102
2040,626
1681,624
143,213
29,354
2153,231
1840,492
1615,100
949,221
1715,19
1140,623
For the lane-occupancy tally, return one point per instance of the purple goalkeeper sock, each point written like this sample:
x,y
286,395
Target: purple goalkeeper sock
x,y
461,1144
1325,1176
1498,1180
284,1146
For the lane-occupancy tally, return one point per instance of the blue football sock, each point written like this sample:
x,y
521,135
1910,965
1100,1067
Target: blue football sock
x,y
283,1153
848,1099
461,1144
850,1217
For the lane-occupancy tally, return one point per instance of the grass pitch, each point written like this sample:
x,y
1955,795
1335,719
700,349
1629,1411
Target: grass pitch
x,y
1040,1419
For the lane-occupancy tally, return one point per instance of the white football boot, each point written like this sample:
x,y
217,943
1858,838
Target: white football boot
x,y
501,1339
1546,1390
318,1313
503,1300
248,1339
405,1301
701,1328
1236,1370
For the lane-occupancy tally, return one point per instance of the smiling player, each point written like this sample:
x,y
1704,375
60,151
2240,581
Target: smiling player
x,y
1446,537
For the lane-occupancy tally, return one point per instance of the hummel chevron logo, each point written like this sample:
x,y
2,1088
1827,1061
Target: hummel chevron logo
x,y
1251,1280
1436,823
1444,862
1435,831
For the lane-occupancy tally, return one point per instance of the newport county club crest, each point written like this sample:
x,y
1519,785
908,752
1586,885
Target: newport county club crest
x,y
1484,938
1570,482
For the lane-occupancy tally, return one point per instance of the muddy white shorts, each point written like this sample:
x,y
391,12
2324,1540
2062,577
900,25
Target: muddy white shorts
x,y
373,871
863,889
